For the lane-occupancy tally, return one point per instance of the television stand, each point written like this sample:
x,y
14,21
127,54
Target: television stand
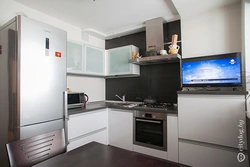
x,y
236,89
208,89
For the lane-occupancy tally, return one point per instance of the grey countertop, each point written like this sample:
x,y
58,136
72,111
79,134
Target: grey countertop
x,y
92,106
211,92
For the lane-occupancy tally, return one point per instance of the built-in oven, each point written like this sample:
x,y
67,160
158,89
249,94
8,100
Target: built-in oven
x,y
150,130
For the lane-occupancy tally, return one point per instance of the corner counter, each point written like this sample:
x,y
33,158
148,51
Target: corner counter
x,y
212,92
93,106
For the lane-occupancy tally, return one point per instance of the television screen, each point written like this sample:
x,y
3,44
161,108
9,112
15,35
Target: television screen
x,y
210,71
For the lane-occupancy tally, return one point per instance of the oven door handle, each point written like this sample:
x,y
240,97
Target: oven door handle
x,y
143,120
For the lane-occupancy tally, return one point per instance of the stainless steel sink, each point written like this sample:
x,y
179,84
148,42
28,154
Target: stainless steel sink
x,y
121,104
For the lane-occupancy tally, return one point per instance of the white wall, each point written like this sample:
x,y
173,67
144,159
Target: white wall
x,y
94,87
213,32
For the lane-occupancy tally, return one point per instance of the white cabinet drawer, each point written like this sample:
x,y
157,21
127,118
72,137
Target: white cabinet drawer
x,y
205,156
100,137
85,123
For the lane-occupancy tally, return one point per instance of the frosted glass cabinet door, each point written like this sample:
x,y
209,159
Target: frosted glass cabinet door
x,y
94,60
74,57
118,60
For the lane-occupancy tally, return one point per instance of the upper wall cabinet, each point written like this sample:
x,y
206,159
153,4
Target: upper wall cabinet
x,y
88,60
118,61
74,57
85,59
94,61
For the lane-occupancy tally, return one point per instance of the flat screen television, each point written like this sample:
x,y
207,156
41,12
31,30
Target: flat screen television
x,y
223,70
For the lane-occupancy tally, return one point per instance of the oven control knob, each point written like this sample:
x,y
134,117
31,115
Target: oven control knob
x,y
153,116
143,115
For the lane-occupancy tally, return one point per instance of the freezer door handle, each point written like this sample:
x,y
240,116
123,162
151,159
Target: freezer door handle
x,y
66,117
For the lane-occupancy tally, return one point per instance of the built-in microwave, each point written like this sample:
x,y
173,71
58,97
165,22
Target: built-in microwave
x,y
77,99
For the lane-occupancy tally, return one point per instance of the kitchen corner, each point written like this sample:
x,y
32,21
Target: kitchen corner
x,y
114,122
92,106
152,79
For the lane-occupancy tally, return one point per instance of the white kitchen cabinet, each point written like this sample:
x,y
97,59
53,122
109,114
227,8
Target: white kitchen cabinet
x,y
85,59
211,129
74,57
118,61
120,125
100,137
211,118
172,138
200,155
87,127
94,61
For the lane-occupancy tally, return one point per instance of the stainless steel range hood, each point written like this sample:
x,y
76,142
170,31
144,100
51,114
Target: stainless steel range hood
x,y
154,34
156,59
154,37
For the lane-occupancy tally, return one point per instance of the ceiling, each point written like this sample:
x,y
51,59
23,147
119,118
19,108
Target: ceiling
x,y
191,7
105,16
108,18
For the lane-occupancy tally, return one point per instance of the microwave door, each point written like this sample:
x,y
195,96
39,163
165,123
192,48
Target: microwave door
x,y
73,99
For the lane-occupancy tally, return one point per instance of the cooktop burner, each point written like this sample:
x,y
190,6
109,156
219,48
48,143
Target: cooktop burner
x,y
156,105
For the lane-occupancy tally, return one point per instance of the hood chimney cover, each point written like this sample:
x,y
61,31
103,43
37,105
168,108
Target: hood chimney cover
x,y
154,34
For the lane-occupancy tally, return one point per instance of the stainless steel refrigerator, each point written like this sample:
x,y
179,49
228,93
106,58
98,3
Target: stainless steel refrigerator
x,y
32,80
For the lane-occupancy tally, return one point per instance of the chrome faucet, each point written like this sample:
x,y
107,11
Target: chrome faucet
x,y
122,99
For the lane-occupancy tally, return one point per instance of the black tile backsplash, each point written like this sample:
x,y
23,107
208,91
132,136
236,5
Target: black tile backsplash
x,y
160,81
171,28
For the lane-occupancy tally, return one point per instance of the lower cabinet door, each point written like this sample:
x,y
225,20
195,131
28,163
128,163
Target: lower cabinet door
x,y
100,137
198,155
172,138
120,126
211,118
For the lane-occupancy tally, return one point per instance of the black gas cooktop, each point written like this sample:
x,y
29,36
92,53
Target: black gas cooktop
x,y
157,105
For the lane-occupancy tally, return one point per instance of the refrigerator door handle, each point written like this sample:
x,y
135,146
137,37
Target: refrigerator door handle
x,y
65,105
66,116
